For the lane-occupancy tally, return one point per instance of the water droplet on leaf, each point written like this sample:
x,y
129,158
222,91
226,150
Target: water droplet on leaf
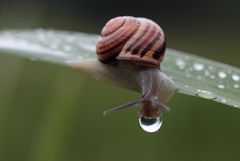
x,y
70,39
235,77
198,66
221,86
180,63
236,105
212,76
222,74
54,45
223,100
210,67
236,85
170,77
199,77
206,94
67,48
206,72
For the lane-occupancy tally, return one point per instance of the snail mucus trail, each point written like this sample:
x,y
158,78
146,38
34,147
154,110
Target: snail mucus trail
x,y
138,44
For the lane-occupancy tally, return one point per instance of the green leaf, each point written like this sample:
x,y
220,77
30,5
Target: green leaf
x,y
193,75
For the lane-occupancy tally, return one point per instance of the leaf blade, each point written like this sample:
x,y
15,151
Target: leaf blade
x,y
192,74
195,75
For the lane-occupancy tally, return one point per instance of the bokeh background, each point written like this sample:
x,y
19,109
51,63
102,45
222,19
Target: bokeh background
x,y
53,113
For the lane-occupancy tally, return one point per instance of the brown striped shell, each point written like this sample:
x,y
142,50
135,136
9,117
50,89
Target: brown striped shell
x,y
138,40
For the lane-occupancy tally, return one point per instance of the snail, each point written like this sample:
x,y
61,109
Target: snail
x,y
129,54
138,44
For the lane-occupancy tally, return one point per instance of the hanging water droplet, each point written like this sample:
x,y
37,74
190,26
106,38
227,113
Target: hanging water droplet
x,y
235,77
198,66
150,125
221,86
206,94
180,63
222,74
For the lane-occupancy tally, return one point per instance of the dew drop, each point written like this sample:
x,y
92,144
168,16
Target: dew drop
x,y
236,105
212,76
188,75
223,100
190,69
67,48
54,46
70,39
150,125
198,66
222,74
229,71
210,67
170,77
41,35
236,85
206,94
206,72
235,77
199,77
220,86
180,63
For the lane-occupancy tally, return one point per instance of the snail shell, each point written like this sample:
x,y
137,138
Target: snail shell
x,y
138,40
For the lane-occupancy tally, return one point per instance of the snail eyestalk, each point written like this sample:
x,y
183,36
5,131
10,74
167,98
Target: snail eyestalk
x,y
151,83
150,104
163,107
156,104
123,106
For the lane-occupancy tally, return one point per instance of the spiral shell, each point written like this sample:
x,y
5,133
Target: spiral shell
x,y
138,40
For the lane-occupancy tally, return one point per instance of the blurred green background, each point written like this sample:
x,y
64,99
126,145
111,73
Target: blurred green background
x,y
53,113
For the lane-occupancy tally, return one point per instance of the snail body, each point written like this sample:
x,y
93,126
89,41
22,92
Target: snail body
x,y
136,46
130,77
